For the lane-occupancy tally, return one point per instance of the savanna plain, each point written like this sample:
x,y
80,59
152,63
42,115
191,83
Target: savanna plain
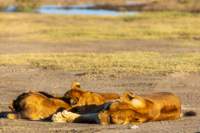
x,y
144,53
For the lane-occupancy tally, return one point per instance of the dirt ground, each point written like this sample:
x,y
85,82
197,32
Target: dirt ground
x,y
17,79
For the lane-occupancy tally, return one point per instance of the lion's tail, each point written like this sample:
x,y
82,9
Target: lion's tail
x,y
12,116
189,113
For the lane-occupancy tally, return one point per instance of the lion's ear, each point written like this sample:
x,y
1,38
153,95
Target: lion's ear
x,y
128,95
75,85
131,94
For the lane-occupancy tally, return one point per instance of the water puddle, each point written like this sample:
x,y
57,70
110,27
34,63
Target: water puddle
x,y
10,9
81,10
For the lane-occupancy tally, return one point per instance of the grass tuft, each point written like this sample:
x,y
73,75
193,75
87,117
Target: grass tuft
x,y
133,62
22,27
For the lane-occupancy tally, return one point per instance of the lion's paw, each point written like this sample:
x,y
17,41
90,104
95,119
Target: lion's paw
x,y
58,117
69,116
64,116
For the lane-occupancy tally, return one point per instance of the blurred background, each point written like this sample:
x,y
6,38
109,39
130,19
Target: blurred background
x,y
116,5
31,26
35,23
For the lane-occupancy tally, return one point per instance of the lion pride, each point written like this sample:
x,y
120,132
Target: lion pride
x,y
41,106
130,108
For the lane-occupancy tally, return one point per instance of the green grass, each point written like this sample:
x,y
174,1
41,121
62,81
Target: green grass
x,y
28,27
132,62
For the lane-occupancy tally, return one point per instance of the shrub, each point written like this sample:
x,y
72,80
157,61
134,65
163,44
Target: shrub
x,y
27,5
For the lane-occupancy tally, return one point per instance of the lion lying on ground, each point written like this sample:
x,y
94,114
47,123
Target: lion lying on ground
x,y
82,97
130,109
36,106
41,106
157,106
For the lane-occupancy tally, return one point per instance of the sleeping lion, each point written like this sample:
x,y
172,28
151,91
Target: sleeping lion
x,y
81,97
131,108
36,106
41,106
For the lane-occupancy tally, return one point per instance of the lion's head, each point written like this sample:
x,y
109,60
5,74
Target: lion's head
x,y
135,100
74,93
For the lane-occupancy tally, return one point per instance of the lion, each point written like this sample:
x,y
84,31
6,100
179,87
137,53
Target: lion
x,y
156,106
36,106
41,105
131,108
82,97
138,109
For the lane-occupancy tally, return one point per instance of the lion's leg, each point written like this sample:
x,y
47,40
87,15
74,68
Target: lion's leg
x,y
31,114
25,114
67,116
139,121
89,109
13,116
91,118
122,117
64,116
169,116
104,117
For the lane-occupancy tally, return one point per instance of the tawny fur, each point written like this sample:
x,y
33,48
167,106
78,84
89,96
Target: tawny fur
x,y
143,108
82,97
135,109
157,106
36,106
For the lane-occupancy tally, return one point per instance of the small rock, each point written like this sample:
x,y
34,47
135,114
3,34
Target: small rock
x,y
134,127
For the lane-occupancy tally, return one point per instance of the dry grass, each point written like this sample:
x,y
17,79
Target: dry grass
x,y
30,5
22,27
151,5
133,62
5,3
174,5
